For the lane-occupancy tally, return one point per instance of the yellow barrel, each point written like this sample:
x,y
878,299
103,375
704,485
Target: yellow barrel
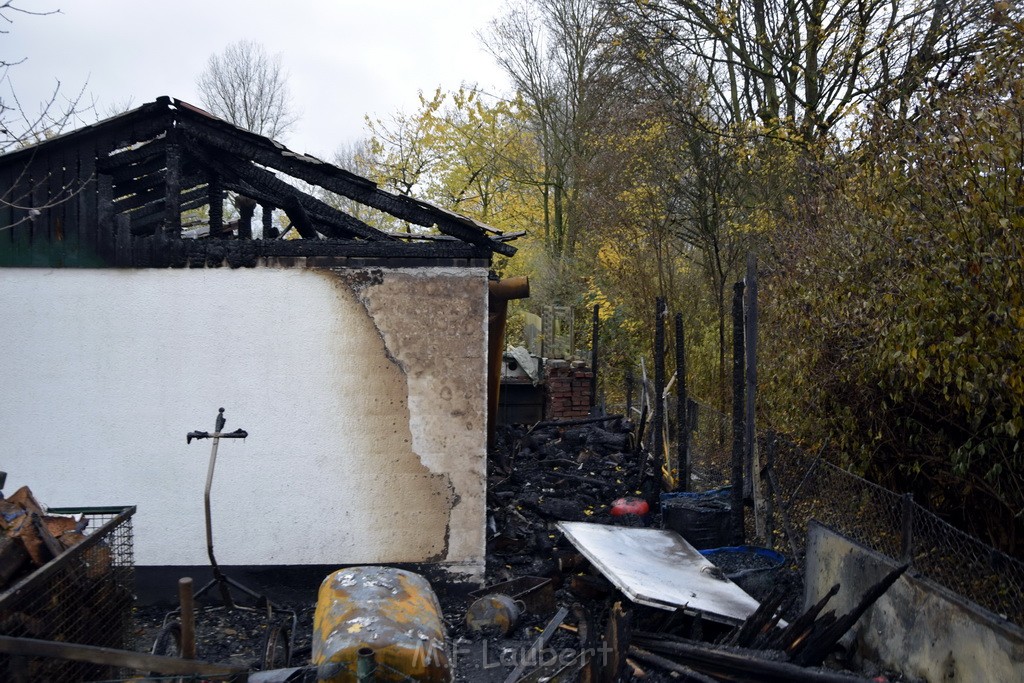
x,y
391,612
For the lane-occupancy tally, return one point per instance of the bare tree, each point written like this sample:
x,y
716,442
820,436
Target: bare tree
x,y
249,88
21,125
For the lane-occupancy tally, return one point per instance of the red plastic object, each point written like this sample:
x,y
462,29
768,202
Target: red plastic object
x,y
630,506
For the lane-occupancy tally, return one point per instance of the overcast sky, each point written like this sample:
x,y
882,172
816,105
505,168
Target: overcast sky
x,y
345,58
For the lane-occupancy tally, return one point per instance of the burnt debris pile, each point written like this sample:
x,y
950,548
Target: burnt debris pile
x,y
560,471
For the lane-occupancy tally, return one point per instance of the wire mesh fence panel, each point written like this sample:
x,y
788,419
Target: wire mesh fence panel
x,y
967,566
710,449
83,596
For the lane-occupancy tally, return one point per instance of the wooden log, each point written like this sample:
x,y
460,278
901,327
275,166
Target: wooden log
x,y
52,545
12,558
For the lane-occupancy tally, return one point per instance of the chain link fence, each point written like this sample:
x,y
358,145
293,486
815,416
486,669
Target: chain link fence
x,y
84,595
798,486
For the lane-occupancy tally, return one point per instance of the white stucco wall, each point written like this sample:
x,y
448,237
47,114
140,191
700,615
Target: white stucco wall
x,y
363,393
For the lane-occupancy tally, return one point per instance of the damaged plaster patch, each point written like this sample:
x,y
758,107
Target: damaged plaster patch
x,y
433,324
412,508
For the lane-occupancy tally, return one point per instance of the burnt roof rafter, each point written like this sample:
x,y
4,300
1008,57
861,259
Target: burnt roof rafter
x,y
266,153
272,189
151,164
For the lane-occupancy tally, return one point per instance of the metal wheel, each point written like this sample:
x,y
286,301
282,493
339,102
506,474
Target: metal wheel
x,y
277,646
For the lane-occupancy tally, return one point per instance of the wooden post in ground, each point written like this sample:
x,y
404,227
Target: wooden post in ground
x,y
188,618
682,403
738,407
753,488
659,383
594,357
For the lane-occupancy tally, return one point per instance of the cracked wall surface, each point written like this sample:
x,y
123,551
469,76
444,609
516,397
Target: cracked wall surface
x,y
363,392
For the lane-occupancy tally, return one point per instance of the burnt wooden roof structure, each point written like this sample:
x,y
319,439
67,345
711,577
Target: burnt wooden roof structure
x,y
113,194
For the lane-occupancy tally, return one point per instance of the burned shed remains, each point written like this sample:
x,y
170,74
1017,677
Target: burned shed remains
x,y
356,357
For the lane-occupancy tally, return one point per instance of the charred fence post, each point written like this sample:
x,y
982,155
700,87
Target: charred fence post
x,y
738,406
659,381
753,481
629,393
907,541
682,403
594,357
769,499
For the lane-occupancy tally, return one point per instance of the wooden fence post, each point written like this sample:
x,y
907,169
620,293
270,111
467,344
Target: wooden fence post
x,y
738,383
659,384
682,421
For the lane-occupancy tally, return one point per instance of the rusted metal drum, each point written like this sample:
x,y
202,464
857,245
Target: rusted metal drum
x,y
391,612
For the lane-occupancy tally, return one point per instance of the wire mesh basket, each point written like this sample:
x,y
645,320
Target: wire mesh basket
x,y
84,596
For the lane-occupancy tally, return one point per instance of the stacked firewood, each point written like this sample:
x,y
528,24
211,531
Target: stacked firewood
x,y
31,538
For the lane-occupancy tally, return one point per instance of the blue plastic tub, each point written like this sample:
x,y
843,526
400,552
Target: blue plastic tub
x,y
752,568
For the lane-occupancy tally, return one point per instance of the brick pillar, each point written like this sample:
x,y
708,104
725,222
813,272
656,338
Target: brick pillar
x,y
568,389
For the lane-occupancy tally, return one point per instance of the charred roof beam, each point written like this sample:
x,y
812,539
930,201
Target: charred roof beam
x,y
341,182
277,192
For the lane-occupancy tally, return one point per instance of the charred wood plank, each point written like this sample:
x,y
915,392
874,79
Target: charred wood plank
x,y
153,194
821,643
739,665
668,665
106,656
123,161
392,251
765,617
134,172
143,219
574,422
785,638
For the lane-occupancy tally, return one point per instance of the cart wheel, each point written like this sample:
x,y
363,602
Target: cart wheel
x,y
168,640
277,646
